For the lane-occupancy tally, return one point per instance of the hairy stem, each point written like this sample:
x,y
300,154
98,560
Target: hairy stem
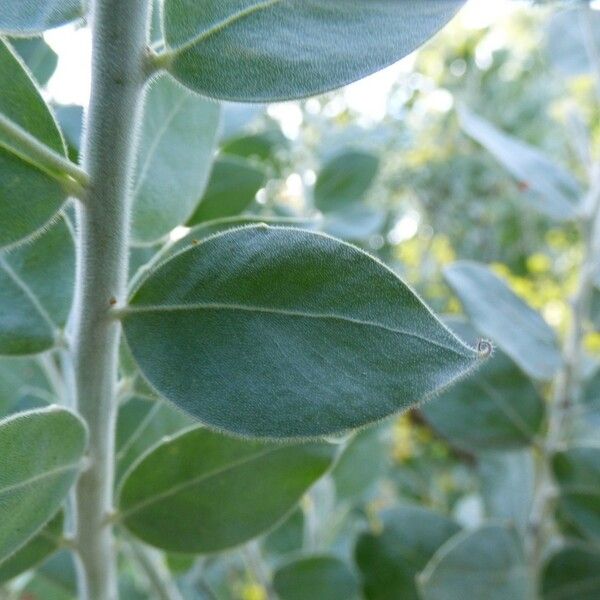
x,y
119,30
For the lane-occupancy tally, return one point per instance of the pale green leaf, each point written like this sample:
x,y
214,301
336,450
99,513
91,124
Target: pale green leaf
x,y
19,378
498,313
40,456
28,17
391,557
177,142
38,56
487,562
283,333
41,546
298,48
577,473
29,197
231,189
318,576
228,490
549,188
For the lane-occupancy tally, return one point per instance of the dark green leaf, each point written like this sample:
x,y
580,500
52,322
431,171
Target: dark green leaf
x,y
497,312
231,189
549,188
178,137
40,456
345,179
487,562
29,197
28,17
205,476
323,577
573,572
288,536
283,333
35,551
38,56
299,47
391,558
577,472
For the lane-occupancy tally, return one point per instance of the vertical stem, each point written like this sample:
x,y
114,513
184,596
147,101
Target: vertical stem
x,y
119,33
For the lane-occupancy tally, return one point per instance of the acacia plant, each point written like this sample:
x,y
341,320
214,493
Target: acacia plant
x,y
267,336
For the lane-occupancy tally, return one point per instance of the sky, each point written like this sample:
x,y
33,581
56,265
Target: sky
x,y
71,81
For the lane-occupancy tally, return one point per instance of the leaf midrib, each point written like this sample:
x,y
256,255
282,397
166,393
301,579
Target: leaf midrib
x,y
149,308
9,489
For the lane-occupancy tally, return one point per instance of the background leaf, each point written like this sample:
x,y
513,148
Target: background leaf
x,y
40,456
38,56
286,351
572,572
35,16
348,40
204,475
498,313
178,137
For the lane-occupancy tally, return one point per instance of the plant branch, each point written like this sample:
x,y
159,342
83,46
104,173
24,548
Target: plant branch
x,y
119,34
40,155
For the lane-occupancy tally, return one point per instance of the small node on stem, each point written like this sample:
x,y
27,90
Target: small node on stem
x,y
112,301
485,348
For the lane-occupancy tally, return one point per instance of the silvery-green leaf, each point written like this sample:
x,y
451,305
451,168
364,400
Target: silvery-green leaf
x,y
317,576
499,314
38,56
284,333
28,17
229,490
177,142
40,456
549,188
487,562
29,197
298,48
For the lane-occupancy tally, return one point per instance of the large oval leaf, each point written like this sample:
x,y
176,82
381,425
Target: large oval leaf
x,y
40,59
323,577
497,312
391,557
178,138
29,197
35,16
283,333
265,50
487,562
577,472
40,455
229,490
572,572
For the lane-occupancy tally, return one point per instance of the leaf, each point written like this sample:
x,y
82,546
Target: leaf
x,y
261,146
38,56
497,312
288,536
70,118
35,16
550,189
36,289
565,40
577,473
40,457
355,223
345,179
283,333
497,408
18,378
29,197
178,138
572,572
391,557
45,543
231,189
204,475
508,486
312,46
362,463
141,424
319,576
487,562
